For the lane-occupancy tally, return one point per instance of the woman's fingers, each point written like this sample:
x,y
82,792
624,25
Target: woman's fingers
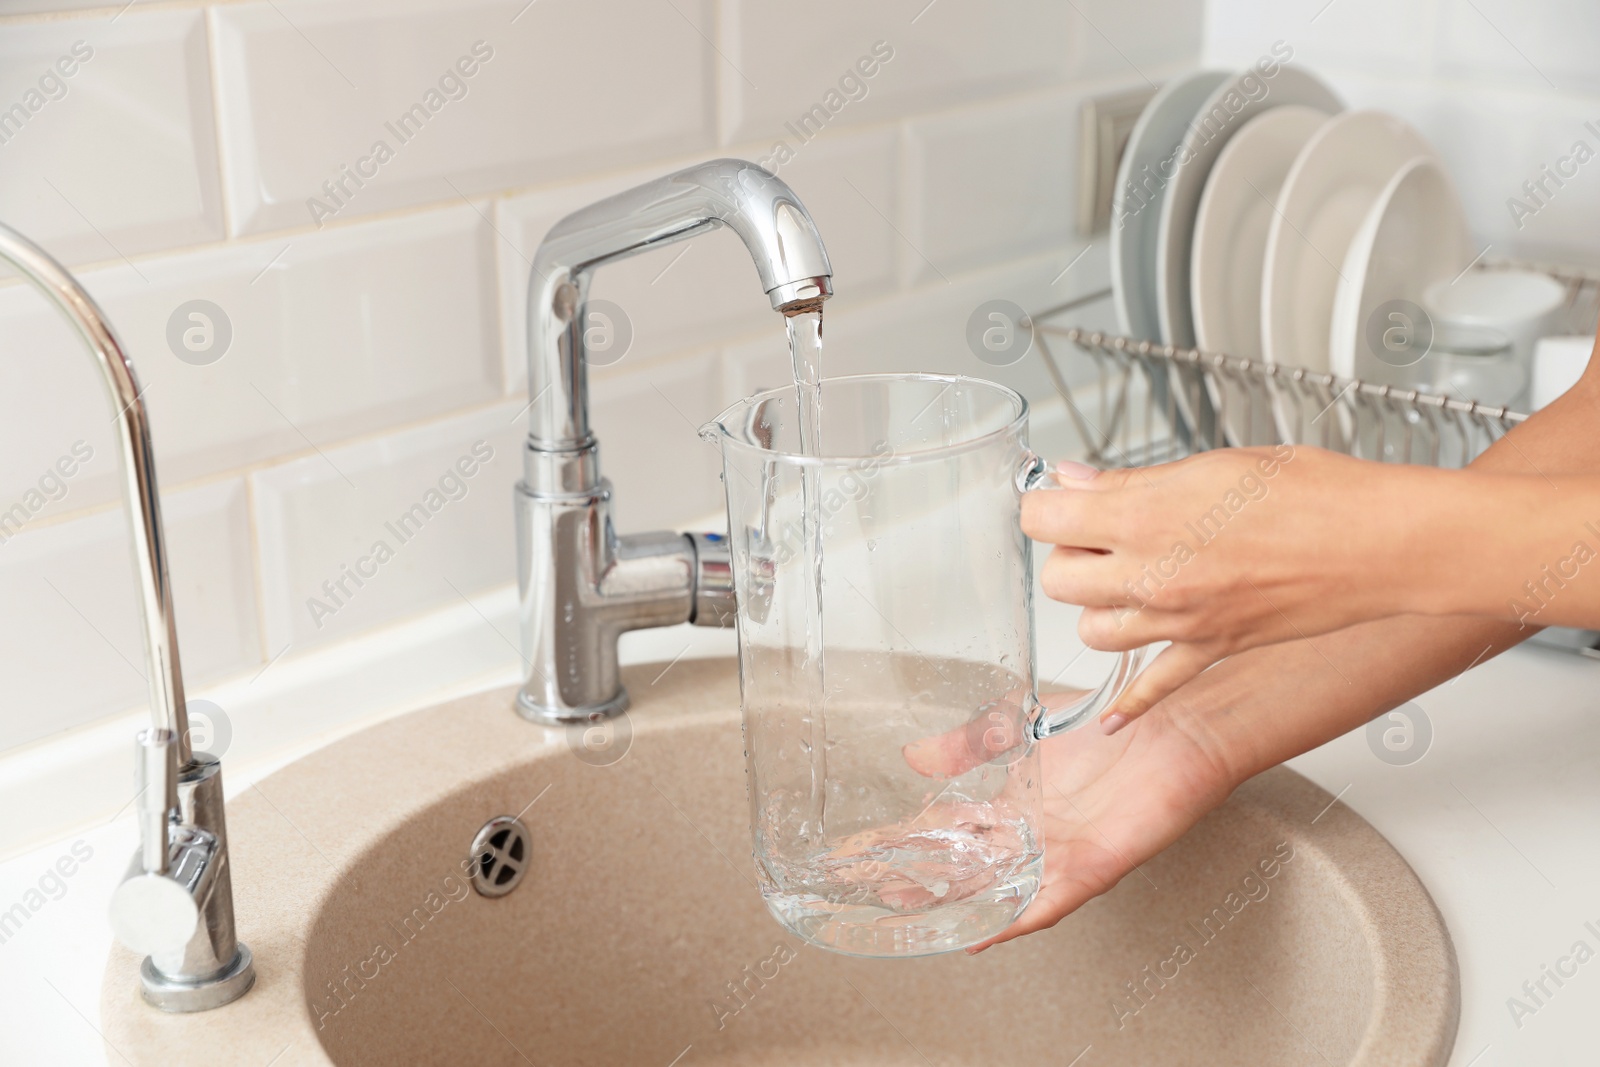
x,y
1083,576
1175,665
999,728
1079,871
1045,910
955,752
1123,627
1082,513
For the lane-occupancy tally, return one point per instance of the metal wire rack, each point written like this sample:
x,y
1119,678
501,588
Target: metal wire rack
x,y
1212,399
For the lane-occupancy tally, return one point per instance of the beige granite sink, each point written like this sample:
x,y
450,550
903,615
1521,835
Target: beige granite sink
x,y
638,938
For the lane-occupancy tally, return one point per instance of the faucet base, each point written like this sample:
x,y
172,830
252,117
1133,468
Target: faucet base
x,y
170,994
562,716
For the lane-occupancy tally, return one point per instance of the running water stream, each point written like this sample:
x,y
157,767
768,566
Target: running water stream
x,y
805,351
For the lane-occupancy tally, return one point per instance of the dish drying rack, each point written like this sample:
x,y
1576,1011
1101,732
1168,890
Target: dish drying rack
x,y
1213,399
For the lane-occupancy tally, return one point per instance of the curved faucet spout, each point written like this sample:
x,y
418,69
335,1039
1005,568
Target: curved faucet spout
x,y
581,583
765,213
138,476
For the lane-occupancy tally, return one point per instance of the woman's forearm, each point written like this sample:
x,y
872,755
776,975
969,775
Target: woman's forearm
x,y
1521,548
1269,704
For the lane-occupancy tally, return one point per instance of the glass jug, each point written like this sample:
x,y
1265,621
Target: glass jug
x,y
890,724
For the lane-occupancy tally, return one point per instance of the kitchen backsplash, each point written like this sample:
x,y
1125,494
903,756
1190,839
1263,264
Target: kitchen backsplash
x,y
311,222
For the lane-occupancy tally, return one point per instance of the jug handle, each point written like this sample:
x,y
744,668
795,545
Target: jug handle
x,y
1034,473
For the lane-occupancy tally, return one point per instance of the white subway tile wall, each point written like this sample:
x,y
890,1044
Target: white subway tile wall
x,y
846,63
73,649
333,334
987,184
385,528
107,134
311,223
463,98
1503,89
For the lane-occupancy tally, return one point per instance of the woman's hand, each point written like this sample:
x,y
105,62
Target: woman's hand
x,y
1110,803
1229,550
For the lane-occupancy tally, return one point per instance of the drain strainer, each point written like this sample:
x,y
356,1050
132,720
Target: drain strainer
x,y
503,850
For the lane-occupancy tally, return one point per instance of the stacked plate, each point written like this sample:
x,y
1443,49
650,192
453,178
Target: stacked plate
x,y
1255,216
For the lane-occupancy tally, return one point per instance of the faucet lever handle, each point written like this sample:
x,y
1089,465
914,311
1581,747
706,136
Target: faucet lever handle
x,y
154,916
156,771
715,603
150,912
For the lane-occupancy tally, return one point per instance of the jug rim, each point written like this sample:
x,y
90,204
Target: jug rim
x,y
717,430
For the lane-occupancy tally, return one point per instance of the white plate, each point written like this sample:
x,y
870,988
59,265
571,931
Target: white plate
x,y
1230,243
1414,235
1230,233
1225,112
1143,177
1333,184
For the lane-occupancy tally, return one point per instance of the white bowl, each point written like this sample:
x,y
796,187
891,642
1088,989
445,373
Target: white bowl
x,y
1522,304
1414,236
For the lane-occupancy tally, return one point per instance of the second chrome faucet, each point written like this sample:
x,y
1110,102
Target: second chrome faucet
x,y
581,583
175,906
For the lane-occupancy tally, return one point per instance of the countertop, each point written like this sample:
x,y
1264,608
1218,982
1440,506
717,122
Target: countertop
x,y
1498,817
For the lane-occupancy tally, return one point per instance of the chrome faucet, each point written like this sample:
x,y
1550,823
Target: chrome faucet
x,y
582,585
176,903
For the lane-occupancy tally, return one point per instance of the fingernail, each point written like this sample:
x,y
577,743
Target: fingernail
x,y
1080,472
1112,723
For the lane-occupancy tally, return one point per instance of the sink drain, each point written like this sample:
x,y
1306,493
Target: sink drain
x,y
503,850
